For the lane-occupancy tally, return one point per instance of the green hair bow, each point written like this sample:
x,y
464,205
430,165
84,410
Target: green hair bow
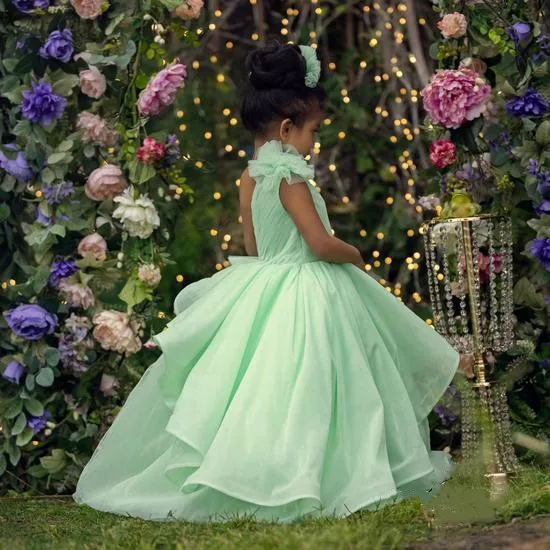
x,y
313,66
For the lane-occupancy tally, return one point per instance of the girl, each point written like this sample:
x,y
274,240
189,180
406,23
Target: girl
x,y
290,384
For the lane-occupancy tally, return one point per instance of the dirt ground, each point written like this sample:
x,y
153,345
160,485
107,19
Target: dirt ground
x,y
530,534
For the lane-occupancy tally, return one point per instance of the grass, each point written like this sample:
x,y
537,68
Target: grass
x,y
462,503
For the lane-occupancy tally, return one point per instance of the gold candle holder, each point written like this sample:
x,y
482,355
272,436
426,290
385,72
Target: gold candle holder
x,y
470,277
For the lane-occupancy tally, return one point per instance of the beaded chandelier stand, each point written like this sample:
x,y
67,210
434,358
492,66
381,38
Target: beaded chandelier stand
x,y
470,275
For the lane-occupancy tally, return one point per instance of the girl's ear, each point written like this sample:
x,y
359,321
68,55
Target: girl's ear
x,y
284,130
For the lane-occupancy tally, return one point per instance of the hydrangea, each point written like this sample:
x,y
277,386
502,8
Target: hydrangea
x,y
38,423
172,152
540,248
41,104
56,193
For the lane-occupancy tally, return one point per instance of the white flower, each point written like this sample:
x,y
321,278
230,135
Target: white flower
x,y
138,216
149,274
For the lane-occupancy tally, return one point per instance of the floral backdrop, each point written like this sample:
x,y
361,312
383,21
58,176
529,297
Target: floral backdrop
x,y
488,120
89,197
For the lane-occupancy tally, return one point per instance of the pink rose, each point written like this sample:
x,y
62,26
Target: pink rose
x,y
456,96
161,89
149,274
108,384
443,153
453,25
151,151
76,295
94,129
93,245
115,331
190,9
92,82
87,9
484,263
105,182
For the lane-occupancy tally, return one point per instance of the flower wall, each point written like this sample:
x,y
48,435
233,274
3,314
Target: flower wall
x,y
89,195
488,120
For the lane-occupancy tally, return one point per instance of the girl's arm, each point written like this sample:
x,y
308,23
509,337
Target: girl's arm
x,y
297,200
246,188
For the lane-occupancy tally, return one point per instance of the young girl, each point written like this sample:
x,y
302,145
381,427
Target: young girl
x,y
291,384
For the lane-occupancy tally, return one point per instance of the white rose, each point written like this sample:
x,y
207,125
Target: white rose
x,y
138,216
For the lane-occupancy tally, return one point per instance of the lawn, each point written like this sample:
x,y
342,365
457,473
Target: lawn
x,y
461,510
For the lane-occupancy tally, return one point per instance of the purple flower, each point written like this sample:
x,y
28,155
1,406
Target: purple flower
x,y
59,45
540,248
519,32
446,416
543,208
172,151
38,423
60,269
13,371
533,167
42,218
543,187
41,104
27,6
543,42
17,167
55,194
30,321
532,104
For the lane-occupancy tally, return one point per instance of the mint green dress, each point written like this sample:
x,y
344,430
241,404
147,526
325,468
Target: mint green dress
x,y
288,387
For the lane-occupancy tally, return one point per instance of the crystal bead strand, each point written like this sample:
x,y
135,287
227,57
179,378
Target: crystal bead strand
x,y
461,261
508,281
476,289
438,325
494,330
439,315
447,281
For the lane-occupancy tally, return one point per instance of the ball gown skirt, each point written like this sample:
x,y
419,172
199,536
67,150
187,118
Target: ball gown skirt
x,y
287,388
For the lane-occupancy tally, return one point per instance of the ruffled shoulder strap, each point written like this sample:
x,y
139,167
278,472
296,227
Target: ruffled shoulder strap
x,y
277,161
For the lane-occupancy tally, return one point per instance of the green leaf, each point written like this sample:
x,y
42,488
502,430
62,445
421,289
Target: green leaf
x,y
142,79
134,292
37,471
64,85
23,127
58,229
525,293
47,175
14,95
8,184
65,145
45,377
24,437
40,278
54,158
30,382
34,406
114,23
14,454
3,463
19,424
55,462
4,212
52,356
543,133
139,172
170,4
14,408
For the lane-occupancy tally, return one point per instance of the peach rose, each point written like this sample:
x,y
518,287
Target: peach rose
x,y
105,182
93,245
94,129
190,9
87,9
453,25
115,331
149,274
92,82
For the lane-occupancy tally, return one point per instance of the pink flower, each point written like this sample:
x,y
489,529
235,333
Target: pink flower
x,y
92,82
151,151
149,274
115,331
190,9
94,129
161,89
108,384
105,182
456,96
453,25
443,153
76,295
87,9
150,344
93,245
485,266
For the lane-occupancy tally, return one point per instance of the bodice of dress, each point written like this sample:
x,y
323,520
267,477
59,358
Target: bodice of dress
x,y
277,237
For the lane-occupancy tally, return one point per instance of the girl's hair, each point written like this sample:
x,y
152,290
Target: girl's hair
x,y
277,88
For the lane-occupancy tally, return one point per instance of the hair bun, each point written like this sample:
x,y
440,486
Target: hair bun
x,y
276,66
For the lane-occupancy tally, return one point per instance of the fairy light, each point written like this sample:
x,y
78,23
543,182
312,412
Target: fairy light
x,y
217,196
179,278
